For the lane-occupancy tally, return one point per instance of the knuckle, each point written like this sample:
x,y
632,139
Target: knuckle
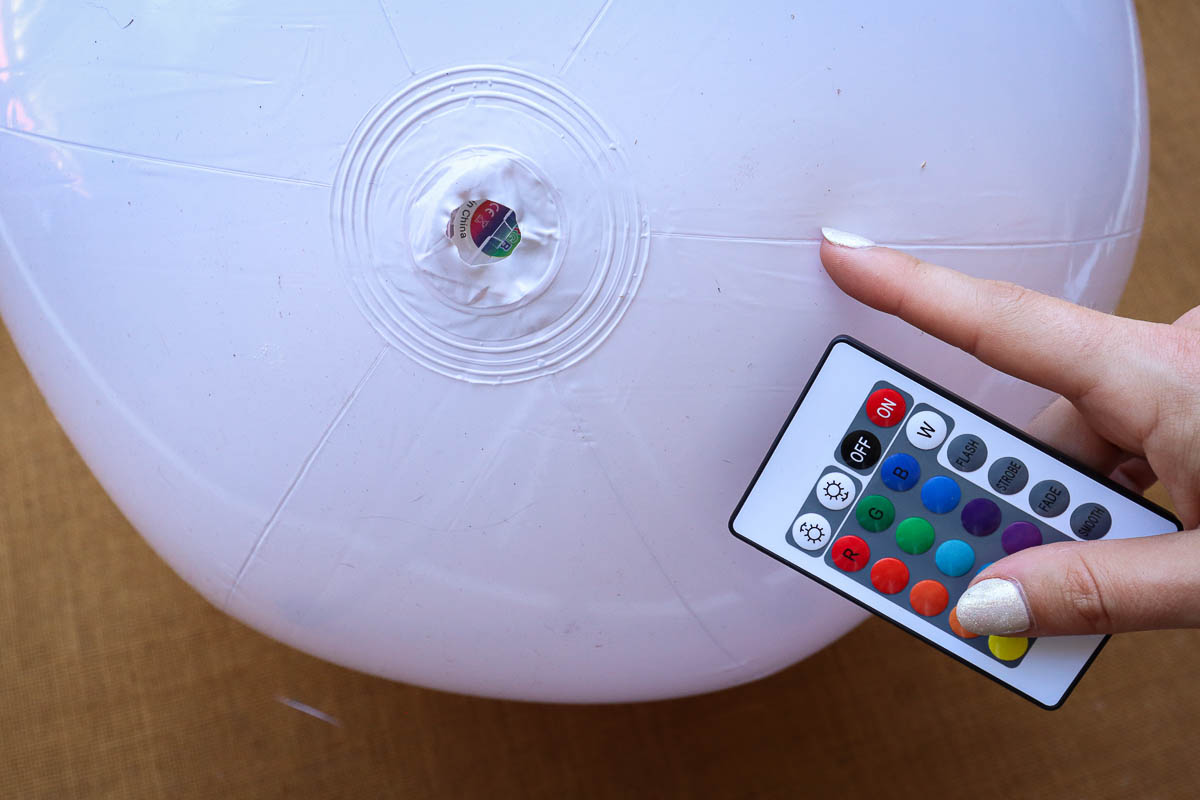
x,y
1171,357
906,302
1007,293
1005,303
1006,300
1083,596
1007,297
1180,348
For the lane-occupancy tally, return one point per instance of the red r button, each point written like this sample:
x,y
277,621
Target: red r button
x,y
851,553
885,407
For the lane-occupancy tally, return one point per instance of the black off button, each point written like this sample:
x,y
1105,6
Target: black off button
x,y
1008,475
1049,498
966,453
860,450
1091,521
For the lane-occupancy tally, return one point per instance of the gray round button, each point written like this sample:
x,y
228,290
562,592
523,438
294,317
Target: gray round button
x,y
966,452
1049,498
1091,521
1008,475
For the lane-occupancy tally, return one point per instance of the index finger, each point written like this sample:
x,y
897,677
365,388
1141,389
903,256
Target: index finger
x,y
1059,345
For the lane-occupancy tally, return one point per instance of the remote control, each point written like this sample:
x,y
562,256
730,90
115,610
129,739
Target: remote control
x,y
895,493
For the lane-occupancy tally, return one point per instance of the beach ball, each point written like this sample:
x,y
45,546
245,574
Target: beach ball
x,y
441,340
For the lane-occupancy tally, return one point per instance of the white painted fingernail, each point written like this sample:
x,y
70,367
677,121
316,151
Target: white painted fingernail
x,y
843,239
993,606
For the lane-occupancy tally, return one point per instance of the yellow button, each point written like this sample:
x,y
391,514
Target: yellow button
x,y
1008,648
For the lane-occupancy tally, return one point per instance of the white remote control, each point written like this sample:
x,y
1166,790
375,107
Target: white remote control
x,y
894,493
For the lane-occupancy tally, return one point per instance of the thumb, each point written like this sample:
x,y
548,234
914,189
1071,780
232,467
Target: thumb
x,y
1088,587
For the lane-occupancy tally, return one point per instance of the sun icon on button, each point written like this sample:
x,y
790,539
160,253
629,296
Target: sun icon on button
x,y
811,532
834,490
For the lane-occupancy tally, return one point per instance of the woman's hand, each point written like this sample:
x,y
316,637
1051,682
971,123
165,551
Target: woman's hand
x,y
1129,407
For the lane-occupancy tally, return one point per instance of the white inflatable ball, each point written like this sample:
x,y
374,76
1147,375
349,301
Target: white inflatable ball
x,y
441,340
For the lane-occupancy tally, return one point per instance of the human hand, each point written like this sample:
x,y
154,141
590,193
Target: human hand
x,y
1128,408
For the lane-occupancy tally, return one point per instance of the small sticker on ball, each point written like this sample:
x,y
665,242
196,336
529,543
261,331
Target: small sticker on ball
x,y
483,231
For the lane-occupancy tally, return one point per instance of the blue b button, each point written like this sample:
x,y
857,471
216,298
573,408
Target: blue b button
x,y
900,472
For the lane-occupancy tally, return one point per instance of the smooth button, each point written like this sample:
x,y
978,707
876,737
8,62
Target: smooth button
x,y
926,429
889,575
981,517
929,598
860,449
836,490
940,494
954,558
875,512
811,531
914,536
1008,648
1049,498
900,472
850,553
1090,521
1018,536
885,407
966,452
957,628
1008,475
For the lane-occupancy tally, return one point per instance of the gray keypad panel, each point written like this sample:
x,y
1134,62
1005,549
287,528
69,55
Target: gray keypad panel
x,y
850,445
957,552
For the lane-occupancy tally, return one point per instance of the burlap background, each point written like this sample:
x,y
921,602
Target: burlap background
x,y
117,680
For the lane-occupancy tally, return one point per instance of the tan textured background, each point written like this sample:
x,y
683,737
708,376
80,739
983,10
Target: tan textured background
x,y
116,680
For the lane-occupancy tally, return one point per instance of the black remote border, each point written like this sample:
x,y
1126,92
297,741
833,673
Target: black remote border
x,y
989,417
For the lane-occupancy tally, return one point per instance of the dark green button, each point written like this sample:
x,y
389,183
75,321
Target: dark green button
x,y
875,512
914,535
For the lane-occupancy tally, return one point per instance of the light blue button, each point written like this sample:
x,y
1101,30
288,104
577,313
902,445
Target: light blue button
x,y
900,472
954,558
940,494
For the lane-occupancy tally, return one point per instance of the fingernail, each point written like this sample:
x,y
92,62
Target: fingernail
x,y
843,239
993,606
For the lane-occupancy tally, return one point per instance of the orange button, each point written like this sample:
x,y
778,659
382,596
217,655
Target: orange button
x,y
959,629
929,598
889,575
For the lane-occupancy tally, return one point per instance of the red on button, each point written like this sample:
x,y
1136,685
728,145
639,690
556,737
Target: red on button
x,y
889,575
929,598
885,407
850,553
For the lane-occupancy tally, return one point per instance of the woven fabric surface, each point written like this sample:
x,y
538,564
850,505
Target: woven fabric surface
x,y
117,680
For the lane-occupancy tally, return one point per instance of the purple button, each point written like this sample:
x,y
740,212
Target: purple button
x,y
1018,536
981,517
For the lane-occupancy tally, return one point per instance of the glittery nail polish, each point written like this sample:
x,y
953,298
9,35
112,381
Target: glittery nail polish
x,y
994,606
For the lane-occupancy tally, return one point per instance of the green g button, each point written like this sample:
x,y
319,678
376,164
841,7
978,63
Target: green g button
x,y
875,512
